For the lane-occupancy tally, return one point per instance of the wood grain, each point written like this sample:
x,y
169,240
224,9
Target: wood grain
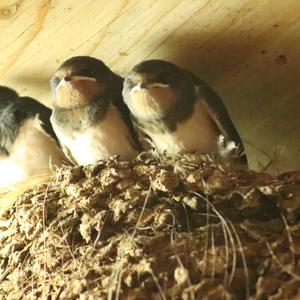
x,y
248,51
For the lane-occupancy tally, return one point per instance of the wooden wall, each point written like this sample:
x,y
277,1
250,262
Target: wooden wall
x,y
247,50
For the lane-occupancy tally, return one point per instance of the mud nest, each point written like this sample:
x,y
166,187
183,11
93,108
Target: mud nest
x,y
194,228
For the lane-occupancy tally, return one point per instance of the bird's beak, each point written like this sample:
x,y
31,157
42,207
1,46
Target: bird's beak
x,y
67,80
141,86
136,88
158,85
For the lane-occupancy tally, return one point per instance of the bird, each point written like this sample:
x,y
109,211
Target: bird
x,y
178,112
28,145
89,115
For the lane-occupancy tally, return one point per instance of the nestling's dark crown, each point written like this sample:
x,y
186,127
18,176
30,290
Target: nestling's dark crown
x,y
157,71
81,66
7,93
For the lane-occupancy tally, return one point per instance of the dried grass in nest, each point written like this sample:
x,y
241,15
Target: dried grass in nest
x,y
154,229
9,195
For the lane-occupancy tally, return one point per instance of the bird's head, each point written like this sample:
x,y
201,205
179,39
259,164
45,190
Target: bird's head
x,y
7,93
151,88
80,80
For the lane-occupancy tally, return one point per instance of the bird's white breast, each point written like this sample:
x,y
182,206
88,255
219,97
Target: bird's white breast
x,y
197,133
106,138
33,152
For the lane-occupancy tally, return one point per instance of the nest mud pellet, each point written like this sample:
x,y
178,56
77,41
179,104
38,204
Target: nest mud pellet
x,y
194,228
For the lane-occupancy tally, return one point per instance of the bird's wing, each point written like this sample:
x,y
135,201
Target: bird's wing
x,y
144,140
219,114
67,153
119,103
31,108
8,126
64,148
133,136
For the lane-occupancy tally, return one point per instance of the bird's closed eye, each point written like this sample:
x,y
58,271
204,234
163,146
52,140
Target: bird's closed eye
x,y
164,77
129,82
55,81
87,73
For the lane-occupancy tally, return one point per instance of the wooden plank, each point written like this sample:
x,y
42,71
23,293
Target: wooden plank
x,y
247,50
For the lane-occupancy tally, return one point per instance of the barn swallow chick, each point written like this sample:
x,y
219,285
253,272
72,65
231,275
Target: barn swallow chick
x,y
28,145
89,116
179,112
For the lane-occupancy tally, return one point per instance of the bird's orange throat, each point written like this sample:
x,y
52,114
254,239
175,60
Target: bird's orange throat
x,y
152,102
77,93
